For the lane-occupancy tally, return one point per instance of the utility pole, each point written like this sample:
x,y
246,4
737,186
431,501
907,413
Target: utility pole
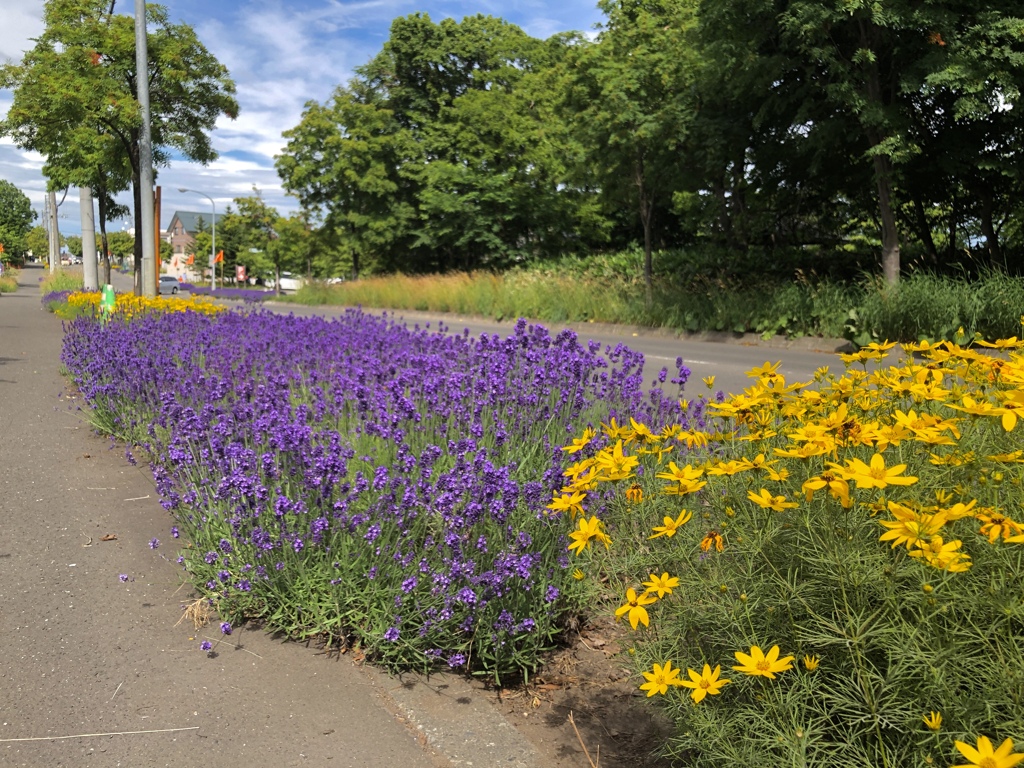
x,y
90,267
147,234
51,199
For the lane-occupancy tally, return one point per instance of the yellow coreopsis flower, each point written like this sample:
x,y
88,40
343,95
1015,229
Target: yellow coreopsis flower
x,y
933,720
709,382
580,443
680,474
641,433
811,663
588,529
660,679
711,539
839,488
759,664
634,608
994,525
567,502
766,371
945,556
911,526
670,526
707,683
983,756
613,430
662,585
635,494
1012,405
765,500
613,464
875,475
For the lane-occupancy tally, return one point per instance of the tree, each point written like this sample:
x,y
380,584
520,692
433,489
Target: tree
x,y
37,242
74,245
630,95
443,152
876,78
16,217
75,97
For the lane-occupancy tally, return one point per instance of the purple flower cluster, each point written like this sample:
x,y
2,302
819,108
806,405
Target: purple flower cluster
x,y
234,294
355,476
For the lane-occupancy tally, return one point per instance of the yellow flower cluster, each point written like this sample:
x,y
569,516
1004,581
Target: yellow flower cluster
x,y
708,682
128,305
833,438
925,449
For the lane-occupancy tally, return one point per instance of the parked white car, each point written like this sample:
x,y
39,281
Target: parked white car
x,y
290,282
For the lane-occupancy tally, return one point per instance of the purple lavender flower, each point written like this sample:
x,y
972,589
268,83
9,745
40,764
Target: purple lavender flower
x,y
154,543
225,627
174,531
123,577
457,660
391,635
206,645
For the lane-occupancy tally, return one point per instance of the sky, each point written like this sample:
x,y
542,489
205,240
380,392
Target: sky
x,y
281,55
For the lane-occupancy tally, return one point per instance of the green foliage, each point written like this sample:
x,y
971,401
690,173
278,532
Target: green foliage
x,y
75,100
61,280
16,217
630,97
443,152
930,306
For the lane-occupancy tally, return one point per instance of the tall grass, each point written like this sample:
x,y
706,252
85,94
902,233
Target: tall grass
x,y
9,281
62,280
694,294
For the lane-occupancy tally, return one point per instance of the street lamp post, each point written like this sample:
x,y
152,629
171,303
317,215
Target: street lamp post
x,y
213,239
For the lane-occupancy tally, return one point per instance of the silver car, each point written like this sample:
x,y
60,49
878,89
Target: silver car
x,y
169,285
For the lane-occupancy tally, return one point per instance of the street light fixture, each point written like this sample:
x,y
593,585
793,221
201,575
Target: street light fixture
x,y
213,240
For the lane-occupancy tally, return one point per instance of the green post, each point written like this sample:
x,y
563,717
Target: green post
x,y
107,301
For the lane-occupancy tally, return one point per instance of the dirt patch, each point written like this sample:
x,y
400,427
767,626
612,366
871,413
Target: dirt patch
x,y
590,681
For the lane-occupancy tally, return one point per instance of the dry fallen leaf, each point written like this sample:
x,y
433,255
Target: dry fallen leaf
x,y
109,537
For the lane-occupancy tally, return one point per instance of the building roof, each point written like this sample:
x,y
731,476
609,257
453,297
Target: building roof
x,y
188,219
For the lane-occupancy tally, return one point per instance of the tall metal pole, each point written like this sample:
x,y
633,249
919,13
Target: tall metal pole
x,y
54,232
145,153
90,267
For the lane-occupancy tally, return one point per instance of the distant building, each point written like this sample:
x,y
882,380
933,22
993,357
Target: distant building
x,y
182,229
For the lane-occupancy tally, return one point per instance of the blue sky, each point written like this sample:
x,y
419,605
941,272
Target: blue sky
x,y
281,54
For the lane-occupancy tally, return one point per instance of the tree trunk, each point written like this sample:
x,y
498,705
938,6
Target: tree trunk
x,y
646,217
953,213
924,230
882,164
890,233
987,228
104,244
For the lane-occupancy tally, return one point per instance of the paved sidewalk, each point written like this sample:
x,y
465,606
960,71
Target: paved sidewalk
x,y
83,653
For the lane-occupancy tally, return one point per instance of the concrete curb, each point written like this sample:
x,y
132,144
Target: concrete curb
x,y
452,719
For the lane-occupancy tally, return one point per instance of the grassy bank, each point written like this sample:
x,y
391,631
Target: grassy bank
x,y
698,296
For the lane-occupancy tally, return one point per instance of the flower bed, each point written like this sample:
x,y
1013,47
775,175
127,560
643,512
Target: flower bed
x,y
833,575
356,479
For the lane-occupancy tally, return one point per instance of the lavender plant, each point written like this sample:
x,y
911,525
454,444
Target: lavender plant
x,y
362,480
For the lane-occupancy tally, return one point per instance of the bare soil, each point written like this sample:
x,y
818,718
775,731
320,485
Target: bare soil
x,y
590,682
